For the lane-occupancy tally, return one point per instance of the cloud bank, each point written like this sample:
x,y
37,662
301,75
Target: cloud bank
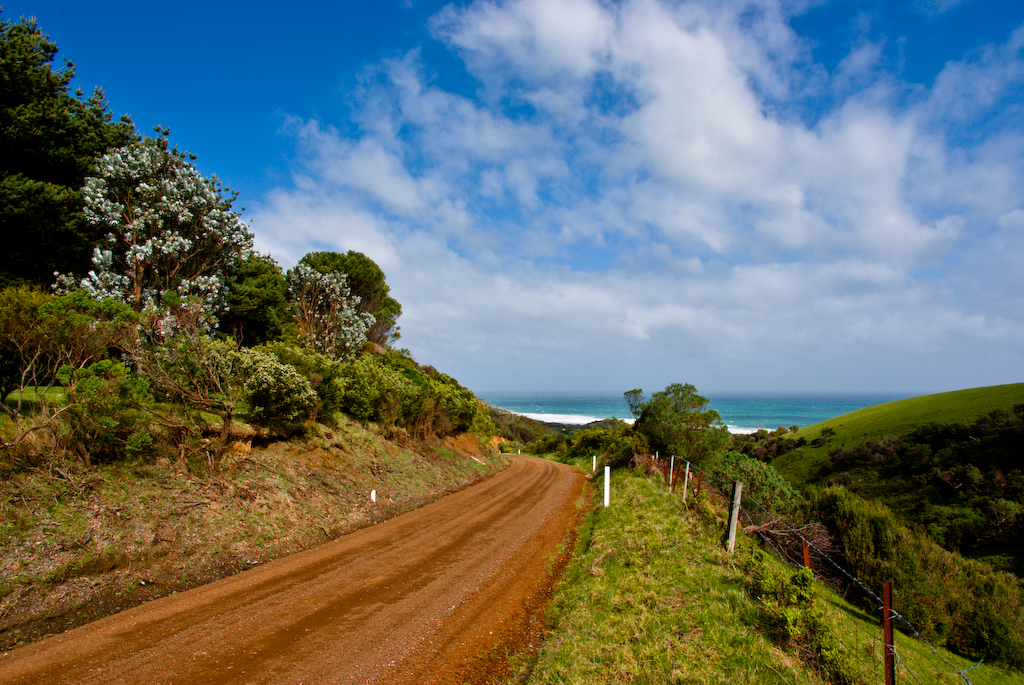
x,y
633,194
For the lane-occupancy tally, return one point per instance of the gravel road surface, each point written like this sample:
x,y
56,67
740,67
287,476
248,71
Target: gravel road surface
x,y
429,597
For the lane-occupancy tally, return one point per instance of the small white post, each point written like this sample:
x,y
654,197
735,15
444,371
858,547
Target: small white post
x,y
594,468
607,486
671,472
686,480
373,495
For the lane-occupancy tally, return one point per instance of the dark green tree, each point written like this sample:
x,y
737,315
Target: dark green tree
x,y
49,141
365,281
679,421
257,301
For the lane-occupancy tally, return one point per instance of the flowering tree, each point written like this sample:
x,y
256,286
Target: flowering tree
x,y
171,235
326,313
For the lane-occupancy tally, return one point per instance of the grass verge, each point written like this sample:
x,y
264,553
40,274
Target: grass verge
x,y
651,596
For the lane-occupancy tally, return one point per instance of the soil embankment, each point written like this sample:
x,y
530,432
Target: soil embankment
x,y
424,598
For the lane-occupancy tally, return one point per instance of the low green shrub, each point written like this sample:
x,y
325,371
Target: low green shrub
x,y
970,607
795,618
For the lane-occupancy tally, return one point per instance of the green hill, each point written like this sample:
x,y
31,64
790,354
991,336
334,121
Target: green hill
x,y
892,419
950,465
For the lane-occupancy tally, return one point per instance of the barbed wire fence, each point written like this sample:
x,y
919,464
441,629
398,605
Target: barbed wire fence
x,y
780,536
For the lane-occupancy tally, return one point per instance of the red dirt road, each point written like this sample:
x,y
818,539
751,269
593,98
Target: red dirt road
x,y
422,598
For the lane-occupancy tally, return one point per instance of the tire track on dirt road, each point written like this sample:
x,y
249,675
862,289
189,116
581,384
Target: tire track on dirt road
x,y
417,599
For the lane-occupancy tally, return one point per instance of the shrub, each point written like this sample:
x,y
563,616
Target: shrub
x,y
104,418
974,609
276,392
794,618
325,375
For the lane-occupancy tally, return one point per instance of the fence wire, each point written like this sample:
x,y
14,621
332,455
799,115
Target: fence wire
x,y
790,529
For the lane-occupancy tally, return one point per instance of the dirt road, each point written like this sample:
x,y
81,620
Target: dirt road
x,y
422,598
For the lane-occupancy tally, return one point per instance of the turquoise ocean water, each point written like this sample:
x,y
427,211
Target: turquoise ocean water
x,y
741,413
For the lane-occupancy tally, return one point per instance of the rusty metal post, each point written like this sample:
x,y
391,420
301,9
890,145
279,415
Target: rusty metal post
x,y
807,553
889,647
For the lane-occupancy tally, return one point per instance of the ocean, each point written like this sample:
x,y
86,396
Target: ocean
x,y
742,413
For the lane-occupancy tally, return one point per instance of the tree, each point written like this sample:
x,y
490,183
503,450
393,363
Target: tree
x,y
172,237
367,282
258,309
44,342
49,141
678,421
326,314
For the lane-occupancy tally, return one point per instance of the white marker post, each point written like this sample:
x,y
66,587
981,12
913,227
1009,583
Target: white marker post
x,y
607,486
686,480
671,472
373,495
594,468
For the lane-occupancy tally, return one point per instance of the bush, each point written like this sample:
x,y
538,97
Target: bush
x,y
276,392
104,418
325,375
971,608
760,480
794,619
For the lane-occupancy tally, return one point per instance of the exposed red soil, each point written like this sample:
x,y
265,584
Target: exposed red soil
x,y
428,597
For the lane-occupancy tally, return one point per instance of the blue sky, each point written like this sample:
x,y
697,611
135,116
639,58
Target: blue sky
x,y
573,195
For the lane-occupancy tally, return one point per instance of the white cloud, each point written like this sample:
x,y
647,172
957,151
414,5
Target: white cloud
x,y
628,196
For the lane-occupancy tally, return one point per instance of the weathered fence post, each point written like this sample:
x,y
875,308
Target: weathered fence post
x,y
807,553
700,477
734,514
889,647
607,486
686,480
672,473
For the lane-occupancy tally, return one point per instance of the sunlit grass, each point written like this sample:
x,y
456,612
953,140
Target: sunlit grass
x,y
652,597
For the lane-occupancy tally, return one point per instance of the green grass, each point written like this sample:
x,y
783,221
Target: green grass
x,y
652,597
894,418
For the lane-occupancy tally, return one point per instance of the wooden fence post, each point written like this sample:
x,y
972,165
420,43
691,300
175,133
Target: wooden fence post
x,y
890,647
700,477
734,514
807,553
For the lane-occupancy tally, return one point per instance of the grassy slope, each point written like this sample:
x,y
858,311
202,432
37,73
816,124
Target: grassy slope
x,y
894,418
651,597
79,543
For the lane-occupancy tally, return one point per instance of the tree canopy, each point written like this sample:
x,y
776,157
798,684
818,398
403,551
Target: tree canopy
x,y
49,141
677,420
171,235
367,282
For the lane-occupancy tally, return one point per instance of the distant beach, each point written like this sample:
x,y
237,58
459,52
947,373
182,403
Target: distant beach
x,y
741,413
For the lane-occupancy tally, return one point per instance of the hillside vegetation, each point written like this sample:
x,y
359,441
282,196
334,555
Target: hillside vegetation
x,y
949,465
973,607
652,596
891,419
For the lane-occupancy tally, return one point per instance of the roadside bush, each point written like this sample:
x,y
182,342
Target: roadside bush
x,y
760,480
374,392
325,375
104,418
276,392
975,610
793,618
